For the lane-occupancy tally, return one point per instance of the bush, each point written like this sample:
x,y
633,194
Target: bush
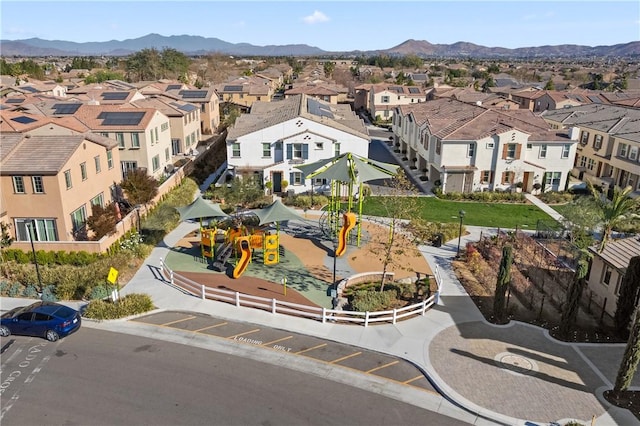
x,y
426,231
98,292
369,301
131,304
484,196
49,294
553,197
30,292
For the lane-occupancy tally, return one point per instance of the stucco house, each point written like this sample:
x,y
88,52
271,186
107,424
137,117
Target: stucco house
x,y
275,137
383,98
607,269
469,148
51,174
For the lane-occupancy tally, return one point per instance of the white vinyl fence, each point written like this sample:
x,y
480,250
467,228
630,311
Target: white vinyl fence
x,y
276,306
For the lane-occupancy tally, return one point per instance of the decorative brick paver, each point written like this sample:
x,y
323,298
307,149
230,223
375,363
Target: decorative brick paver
x,y
564,385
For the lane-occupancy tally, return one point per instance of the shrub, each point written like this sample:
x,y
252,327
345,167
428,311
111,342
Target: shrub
x,y
486,196
15,290
98,292
369,301
426,231
49,294
30,292
553,197
131,304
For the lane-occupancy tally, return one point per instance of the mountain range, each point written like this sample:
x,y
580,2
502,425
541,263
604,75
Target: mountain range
x,y
197,45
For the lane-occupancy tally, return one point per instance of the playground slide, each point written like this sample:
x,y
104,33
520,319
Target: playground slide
x,y
349,221
224,252
244,258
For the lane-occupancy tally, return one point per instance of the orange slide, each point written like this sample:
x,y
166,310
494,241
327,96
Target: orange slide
x,y
349,221
245,258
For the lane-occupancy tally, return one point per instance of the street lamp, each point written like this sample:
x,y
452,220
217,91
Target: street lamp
x,y
31,228
461,214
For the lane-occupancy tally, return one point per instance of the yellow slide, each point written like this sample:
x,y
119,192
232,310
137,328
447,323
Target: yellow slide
x,y
245,258
349,221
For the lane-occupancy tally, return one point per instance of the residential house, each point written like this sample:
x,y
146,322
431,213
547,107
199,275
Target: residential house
x,y
607,270
471,96
143,135
184,121
321,92
609,150
244,91
275,137
384,98
51,175
205,99
469,148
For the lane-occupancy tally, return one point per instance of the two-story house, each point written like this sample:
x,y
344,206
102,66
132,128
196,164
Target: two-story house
x,y
205,99
384,98
275,137
244,91
51,174
143,135
471,148
609,143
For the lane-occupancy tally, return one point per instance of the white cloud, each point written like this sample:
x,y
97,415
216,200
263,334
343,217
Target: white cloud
x,y
315,17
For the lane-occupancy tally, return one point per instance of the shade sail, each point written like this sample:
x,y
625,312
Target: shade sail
x,y
199,209
349,168
276,212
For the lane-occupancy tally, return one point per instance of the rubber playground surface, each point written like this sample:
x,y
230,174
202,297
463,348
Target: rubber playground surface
x,y
305,261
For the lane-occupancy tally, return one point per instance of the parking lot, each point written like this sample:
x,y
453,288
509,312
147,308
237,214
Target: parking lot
x,y
340,355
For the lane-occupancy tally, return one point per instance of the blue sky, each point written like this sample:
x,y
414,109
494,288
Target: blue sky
x,y
331,26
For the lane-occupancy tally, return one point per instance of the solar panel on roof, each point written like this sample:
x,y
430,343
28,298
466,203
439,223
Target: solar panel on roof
x,y
193,94
316,108
14,100
187,107
115,96
414,90
232,89
23,119
174,87
29,89
121,118
595,99
396,89
66,108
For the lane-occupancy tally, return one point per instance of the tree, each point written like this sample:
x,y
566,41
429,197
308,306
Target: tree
x,y
328,68
400,204
628,296
579,216
613,212
174,63
139,187
629,362
103,220
550,85
572,305
502,283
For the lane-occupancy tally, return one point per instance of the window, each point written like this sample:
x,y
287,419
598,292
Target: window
x,y
319,145
566,149
336,149
438,146
297,151
543,150
529,146
296,178
105,134
110,159
155,162
120,139
552,178
633,153
266,150
67,178
96,161
98,200
83,171
38,184
623,150
584,138
135,140
166,154
128,166
485,176
606,275
44,229
79,218
235,149
591,163
151,136
18,185
490,145
42,317
583,161
164,126
510,151
471,150
507,177
597,142
385,99
157,138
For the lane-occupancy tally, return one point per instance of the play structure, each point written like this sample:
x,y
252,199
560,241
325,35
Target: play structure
x,y
347,174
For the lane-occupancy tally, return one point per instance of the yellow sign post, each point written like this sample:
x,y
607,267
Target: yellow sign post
x,y
284,283
113,275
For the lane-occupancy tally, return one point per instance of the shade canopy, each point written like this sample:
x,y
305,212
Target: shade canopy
x,y
276,212
349,168
199,209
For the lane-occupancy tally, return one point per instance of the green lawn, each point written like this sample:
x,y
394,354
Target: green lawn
x,y
479,214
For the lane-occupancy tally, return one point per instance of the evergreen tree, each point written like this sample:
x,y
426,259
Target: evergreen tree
x,y
572,305
504,279
628,295
630,359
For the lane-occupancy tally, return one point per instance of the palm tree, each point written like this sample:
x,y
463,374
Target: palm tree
x,y
613,212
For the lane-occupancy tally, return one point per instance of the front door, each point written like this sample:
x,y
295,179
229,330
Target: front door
x,y
276,178
525,182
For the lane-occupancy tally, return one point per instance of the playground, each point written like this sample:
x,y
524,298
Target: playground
x,y
305,260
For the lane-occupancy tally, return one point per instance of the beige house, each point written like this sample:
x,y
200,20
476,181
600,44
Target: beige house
x,y
143,135
384,98
607,270
609,143
244,91
51,181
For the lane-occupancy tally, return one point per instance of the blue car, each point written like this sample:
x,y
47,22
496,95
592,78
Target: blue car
x,y
41,319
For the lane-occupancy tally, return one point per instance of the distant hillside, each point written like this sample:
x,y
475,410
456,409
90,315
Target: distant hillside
x,y
196,45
